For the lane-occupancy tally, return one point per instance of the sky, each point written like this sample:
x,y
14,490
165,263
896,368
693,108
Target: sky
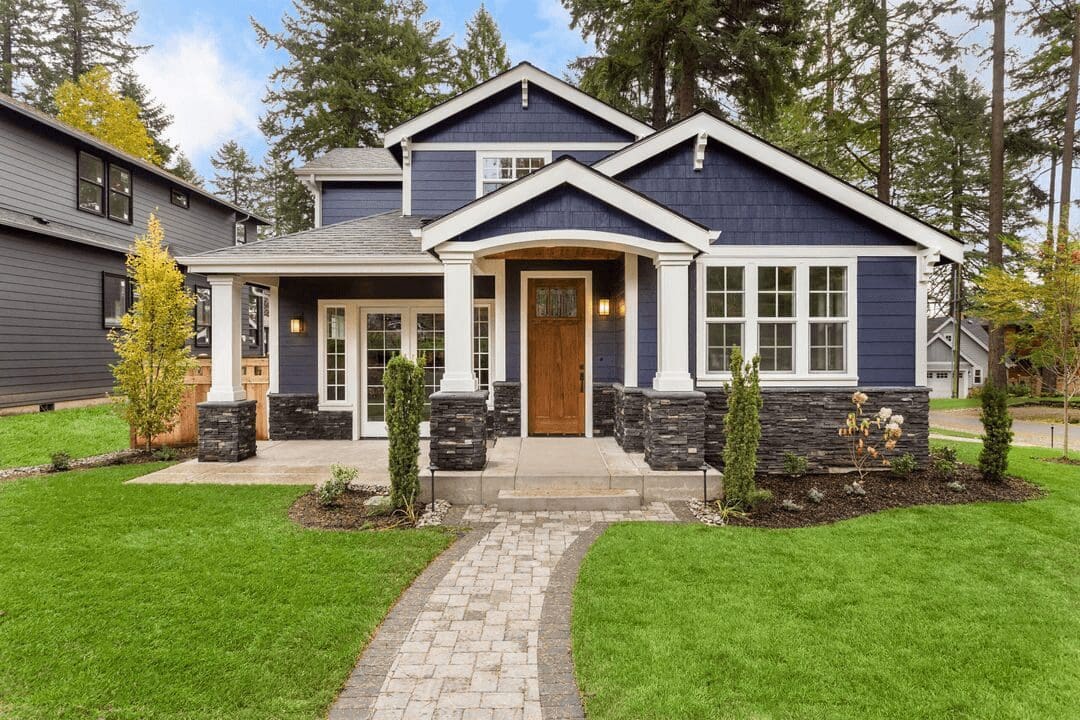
x,y
207,68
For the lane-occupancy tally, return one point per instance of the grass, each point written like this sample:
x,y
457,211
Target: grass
x,y
183,602
933,612
954,433
31,439
961,403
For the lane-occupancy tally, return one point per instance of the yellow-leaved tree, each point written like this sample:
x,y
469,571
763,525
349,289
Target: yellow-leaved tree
x,y
93,106
151,343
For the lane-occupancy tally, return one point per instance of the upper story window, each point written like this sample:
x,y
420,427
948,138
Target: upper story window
x,y
119,194
104,188
180,198
91,183
498,170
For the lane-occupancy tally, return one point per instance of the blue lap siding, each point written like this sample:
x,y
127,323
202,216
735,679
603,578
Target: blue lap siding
x,y
442,181
886,317
347,201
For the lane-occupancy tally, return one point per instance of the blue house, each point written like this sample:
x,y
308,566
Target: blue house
x,y
561,268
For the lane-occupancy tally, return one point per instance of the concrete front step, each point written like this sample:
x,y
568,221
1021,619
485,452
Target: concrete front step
x,y
529,500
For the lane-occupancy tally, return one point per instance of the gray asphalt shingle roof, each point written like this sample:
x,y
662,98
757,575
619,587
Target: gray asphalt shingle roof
x,y
973,326
386,234
354,158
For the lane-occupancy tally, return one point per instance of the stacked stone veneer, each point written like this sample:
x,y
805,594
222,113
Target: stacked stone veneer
x,y
805,422
458,430
226,431
296,416
507,412
603,409
674,430
629,418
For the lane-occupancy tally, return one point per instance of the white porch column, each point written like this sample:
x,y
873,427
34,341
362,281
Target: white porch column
x,y
458,308
673,323
630,320
225,381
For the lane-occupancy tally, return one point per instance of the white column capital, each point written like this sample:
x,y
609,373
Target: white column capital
x,y
674,259
224,280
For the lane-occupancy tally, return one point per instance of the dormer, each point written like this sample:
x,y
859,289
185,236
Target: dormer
x,y
349,183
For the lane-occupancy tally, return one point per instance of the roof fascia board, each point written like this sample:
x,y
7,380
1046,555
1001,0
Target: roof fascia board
x,y
512,78
314,265
789,166
572,173
345,175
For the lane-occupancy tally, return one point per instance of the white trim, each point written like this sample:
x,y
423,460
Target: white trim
x,y
350,175
560,238
565,172
802,374
523,360
275,341
922,292
790,166
510,151
524,93
511,77
284,265
406,190
548,145
672,324
630,321
938,333
497,268
810,251
350,379
225,351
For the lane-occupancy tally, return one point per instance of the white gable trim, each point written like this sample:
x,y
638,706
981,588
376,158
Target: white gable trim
x,y
945,326
578,238
963,356
565,172
510,78
790,166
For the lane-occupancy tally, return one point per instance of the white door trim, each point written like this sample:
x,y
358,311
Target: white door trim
x,y
526,275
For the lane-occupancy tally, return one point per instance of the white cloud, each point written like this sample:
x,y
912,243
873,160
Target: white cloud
x,y
211,98
553,43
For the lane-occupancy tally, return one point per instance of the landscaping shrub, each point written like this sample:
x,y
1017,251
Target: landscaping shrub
x,y
904,465
742,430
332,489
405,394
60,461
815,496
943,458
857,429
166,454
795,465
997,433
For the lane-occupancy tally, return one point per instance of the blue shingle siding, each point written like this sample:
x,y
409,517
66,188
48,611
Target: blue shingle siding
x,y
886,317
646,321
442,181
501,118
586,157
299,356
750,203
350,200
565,208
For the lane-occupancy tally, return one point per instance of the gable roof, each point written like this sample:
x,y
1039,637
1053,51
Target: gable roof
x,y
514,76
566,171
938,326
705,124
353,161
35,115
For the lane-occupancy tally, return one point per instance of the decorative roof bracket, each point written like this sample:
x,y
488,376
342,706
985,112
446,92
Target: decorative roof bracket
x,y
699,150
406,151
524,93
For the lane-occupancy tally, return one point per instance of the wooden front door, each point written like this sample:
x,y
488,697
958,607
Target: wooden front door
x,y
556,338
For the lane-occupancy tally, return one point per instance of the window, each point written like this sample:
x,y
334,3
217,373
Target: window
x,y
482,345
180,198
203,322
828,319
91,184
119,194
335,354
978,376
240,233
948,338
431,352
116,299
776,301
499,170
253,321
556,302
724,315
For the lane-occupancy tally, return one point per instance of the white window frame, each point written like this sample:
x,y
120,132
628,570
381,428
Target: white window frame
x,y
801,374
504,152
740,320
351,330
489,305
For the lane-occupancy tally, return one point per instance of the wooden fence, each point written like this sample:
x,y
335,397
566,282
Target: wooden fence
x,y
256,379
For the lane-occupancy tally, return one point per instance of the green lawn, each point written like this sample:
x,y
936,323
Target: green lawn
x,y
960,403
31,439
183,602
953,433
933,612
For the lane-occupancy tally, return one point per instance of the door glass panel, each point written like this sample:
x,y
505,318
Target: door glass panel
x,y
556,302
383,334
431,353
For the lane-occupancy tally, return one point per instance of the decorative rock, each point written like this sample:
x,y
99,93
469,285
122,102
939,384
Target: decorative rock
x,y
433,514
226,431
706,513
629,418
674,430
507,408
458,430
603,409
378,504
296,416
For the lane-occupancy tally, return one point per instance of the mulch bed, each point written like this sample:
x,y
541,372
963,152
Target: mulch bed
x,y
348,513
883,491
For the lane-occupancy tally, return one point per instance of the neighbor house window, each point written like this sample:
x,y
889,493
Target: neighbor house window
x,y
180,198
828,319
335,354
91,183
724,315
482,345
776,308
116,299
978,376
203,322
496,171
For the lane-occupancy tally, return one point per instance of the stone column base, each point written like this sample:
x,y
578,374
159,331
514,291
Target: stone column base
x,y
629,418
296,416
674,430
507,408
603,409
226,431
458,431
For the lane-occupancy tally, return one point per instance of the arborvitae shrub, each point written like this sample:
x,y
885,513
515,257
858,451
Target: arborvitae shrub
x,y
404,382
997,433
742,429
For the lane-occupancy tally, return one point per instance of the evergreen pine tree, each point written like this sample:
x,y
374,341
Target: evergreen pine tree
x,y
23,44
237,177
183,169
287,202
152,114
484,54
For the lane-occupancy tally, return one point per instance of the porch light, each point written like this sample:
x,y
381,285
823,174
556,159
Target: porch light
x,y
296,325
603,307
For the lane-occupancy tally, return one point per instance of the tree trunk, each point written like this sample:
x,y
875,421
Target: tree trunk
x,y
1069,136
7,76
830,92
884,179
659,88
957,191
1050,198
687,86
76,40
996,255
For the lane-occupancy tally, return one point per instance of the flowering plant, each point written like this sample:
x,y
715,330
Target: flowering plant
x,y
866,434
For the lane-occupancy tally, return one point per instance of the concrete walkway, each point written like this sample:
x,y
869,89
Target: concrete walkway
x,y
484,632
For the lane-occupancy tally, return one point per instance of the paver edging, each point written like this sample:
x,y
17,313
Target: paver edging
x,y
356,701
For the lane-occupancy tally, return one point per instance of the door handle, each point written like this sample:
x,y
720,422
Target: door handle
x,y
581,371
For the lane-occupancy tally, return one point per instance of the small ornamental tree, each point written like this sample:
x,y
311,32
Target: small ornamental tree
x,y
151,343
865,434
404,382
997,433
742,430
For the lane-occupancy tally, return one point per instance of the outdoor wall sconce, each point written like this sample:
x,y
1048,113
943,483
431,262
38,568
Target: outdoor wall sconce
x,y
296,325
603,307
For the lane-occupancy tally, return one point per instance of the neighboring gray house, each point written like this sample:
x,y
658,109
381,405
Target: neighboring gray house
x,y
974,355
70,206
